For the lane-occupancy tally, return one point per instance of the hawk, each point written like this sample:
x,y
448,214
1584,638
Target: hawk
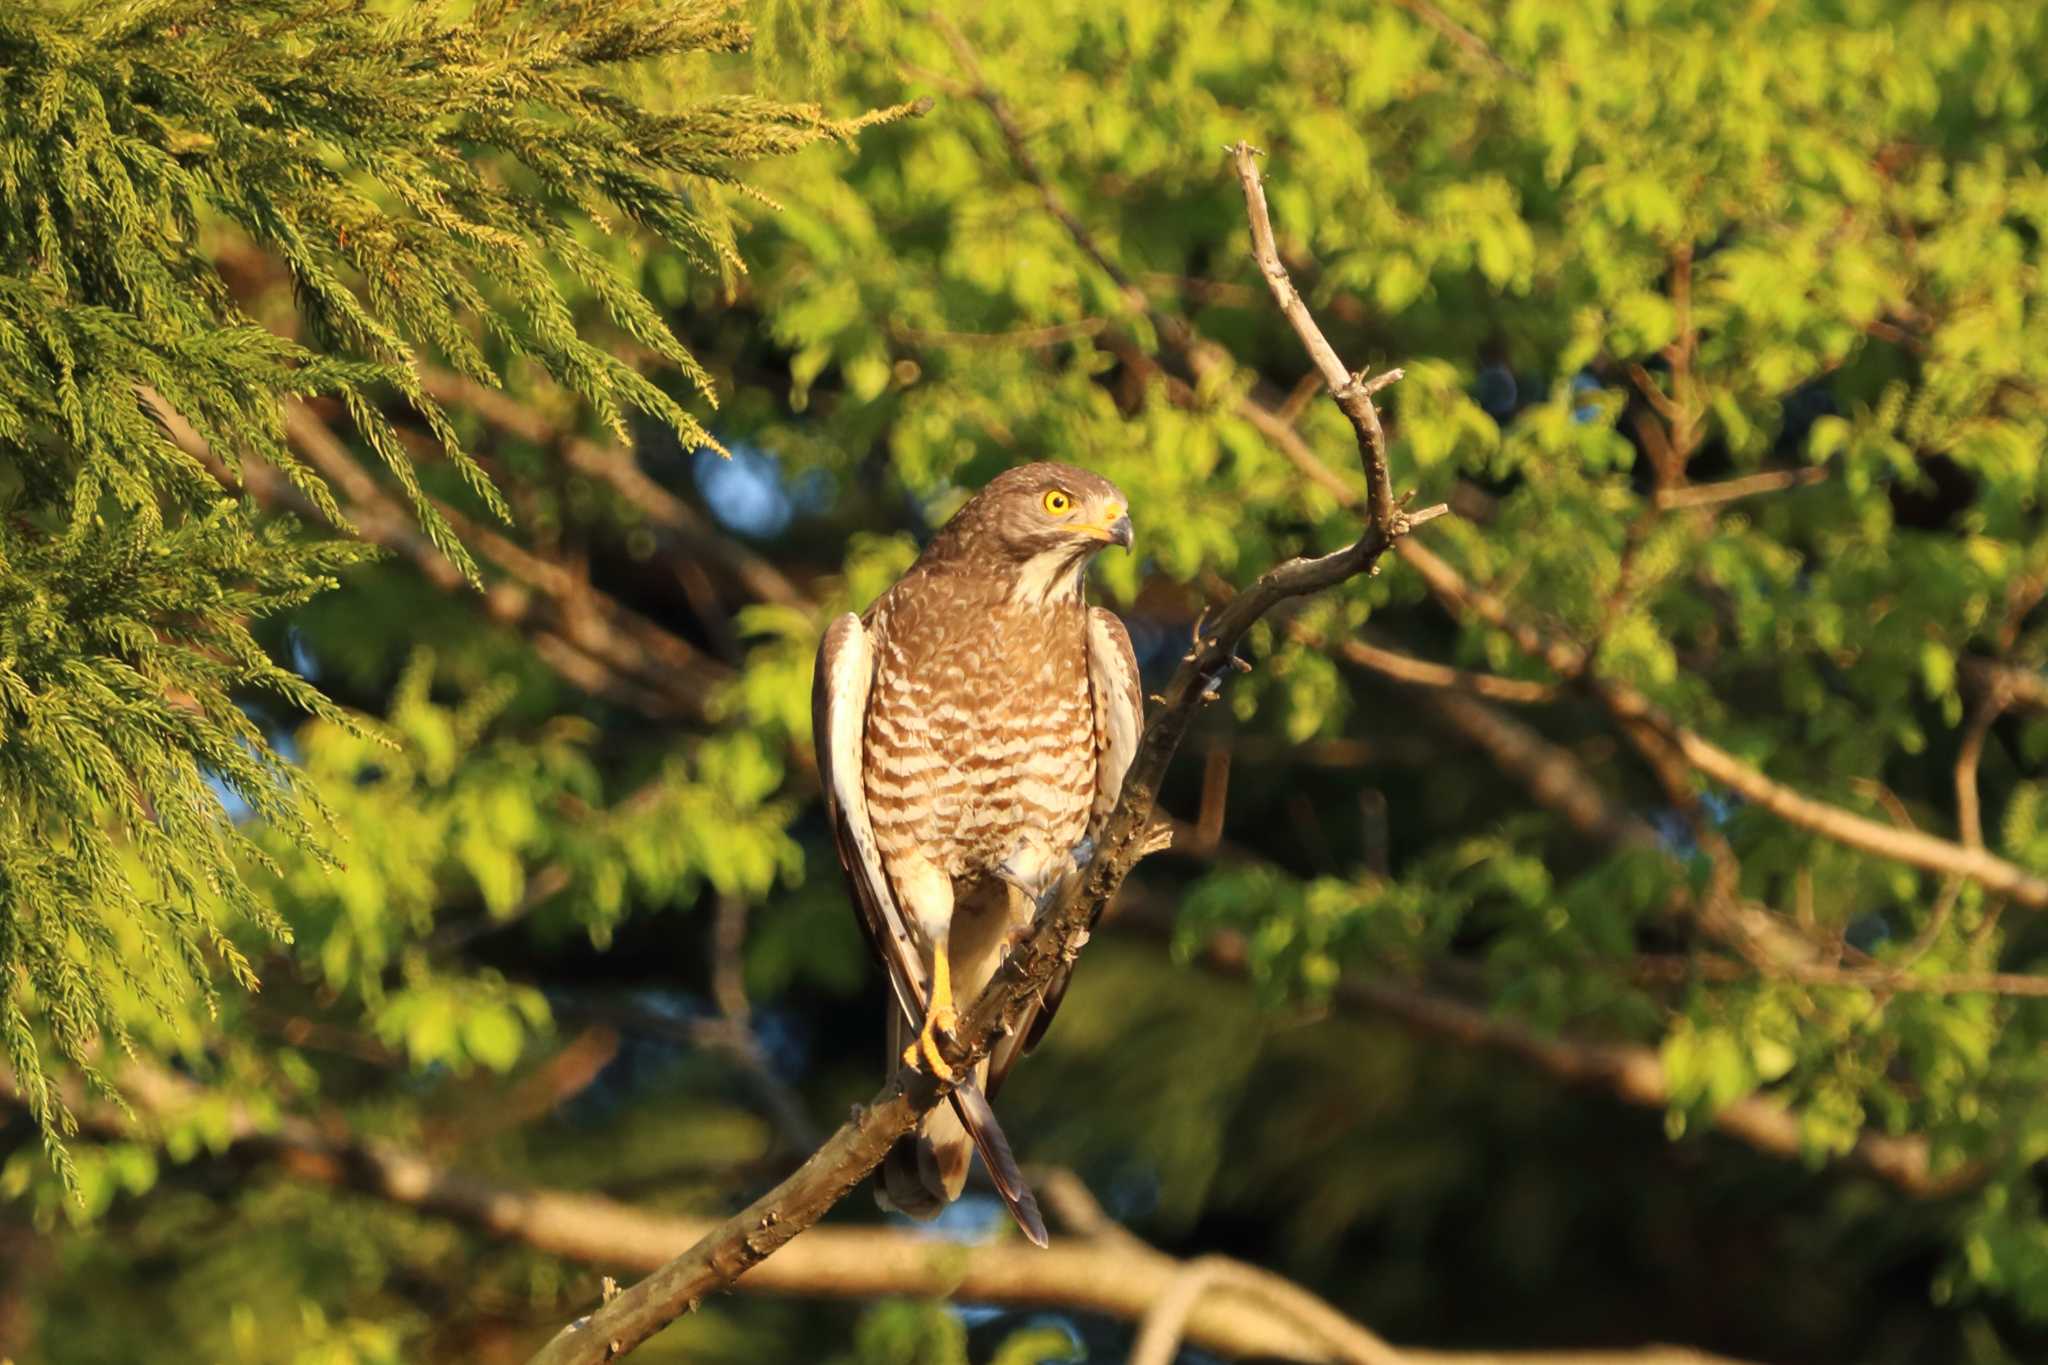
x,y
973,729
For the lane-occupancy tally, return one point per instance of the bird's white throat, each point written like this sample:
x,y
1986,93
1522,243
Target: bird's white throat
x,y
1047,576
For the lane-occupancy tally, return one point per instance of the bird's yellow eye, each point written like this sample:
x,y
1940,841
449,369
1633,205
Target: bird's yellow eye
x,y
1058,502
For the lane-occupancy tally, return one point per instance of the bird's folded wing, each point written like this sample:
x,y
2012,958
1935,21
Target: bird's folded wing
x,y
839,709
1119,704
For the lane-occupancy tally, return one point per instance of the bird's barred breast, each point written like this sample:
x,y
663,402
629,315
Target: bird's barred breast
x,y
980,730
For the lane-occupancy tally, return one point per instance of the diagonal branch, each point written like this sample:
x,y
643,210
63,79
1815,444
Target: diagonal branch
x,y
1629,706
382,522
683,529
1630,1072
744,1241
627,645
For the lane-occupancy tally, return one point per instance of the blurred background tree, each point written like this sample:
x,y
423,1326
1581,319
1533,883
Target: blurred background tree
x,y
1619,921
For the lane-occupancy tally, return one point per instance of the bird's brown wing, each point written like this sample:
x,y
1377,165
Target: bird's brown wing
x,y
1118,699
839,710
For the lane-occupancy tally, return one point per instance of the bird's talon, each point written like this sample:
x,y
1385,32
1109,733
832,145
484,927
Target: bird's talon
x,y
927,1045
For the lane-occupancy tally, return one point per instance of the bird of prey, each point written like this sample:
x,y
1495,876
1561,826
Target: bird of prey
x,y
973,729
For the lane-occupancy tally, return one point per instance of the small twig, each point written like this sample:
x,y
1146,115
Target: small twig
x,y
1969,805
736,1043
1351,392
1020,152
1730,490
1464,37
622,642
1020,338
1891,978
728,965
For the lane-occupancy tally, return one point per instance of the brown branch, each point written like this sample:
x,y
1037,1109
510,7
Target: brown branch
x,y
622,643
683,529
1891,978
1731,490
1464,37
2022,687
1406,668
1631,1073
1107,1271
1924,851
1349,390
383,523
744,1241
1021,338
737,1043
1207,1277
1027,164
1552,775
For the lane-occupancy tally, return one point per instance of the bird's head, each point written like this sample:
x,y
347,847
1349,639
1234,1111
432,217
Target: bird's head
x,y
1038,524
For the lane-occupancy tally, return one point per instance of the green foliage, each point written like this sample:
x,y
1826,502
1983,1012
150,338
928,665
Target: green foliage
x,y
427,182
1623,251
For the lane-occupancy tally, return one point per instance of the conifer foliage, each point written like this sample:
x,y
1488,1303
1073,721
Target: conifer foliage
x,y
427,183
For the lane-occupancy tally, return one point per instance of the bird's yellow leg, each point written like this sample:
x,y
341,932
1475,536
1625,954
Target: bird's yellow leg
x,y
939,1016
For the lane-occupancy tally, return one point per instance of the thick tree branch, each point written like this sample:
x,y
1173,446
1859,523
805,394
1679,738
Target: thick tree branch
x,y
1104,1269
1552,775
1732,490
2026,688
750,1237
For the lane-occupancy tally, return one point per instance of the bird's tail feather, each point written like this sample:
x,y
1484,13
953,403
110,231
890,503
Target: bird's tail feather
x,y
987,1135
926,1170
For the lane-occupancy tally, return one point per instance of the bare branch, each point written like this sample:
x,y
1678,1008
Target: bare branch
x,y
1892,978
1552,775
1348,389
1023,338
378,519
1407,668
2022,687
621,640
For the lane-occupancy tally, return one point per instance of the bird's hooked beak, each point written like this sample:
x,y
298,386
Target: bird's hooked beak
x,y
1114,526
